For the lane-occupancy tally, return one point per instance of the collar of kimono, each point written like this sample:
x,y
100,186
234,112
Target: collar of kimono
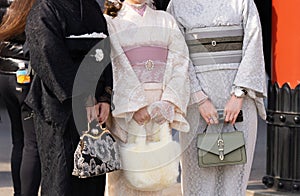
x,y
139,8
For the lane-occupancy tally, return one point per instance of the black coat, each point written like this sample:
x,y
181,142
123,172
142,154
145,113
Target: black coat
x,y
11,51
56,59
4,4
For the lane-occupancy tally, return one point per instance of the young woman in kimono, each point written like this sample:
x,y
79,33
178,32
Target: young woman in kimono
x,y
150,77
230,77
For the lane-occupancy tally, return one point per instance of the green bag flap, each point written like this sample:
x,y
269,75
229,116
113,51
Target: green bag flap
x,y
232,141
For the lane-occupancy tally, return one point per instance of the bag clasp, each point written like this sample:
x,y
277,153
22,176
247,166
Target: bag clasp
x,y
221,148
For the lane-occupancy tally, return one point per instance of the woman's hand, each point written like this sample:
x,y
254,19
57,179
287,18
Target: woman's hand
x,y
92,112
100,111
232,109
209,112
162,111
104,109
141,116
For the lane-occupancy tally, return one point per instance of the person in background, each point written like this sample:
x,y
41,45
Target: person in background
x,y
225,76
55,59
25,162
161,4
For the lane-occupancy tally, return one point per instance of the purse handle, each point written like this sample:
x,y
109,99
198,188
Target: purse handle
x,y
104,129
204,131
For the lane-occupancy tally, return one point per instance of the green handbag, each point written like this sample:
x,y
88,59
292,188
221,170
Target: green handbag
x,y
217,149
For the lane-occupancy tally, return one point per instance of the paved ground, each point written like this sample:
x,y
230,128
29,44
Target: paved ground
x,y
255,186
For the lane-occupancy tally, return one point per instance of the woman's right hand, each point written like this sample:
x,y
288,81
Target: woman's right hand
x,y
208,112
92,112
141,116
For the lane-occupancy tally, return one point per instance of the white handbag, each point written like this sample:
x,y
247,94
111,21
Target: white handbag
x,y
151,166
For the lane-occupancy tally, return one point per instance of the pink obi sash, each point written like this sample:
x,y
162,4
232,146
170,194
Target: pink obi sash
x,y
148,62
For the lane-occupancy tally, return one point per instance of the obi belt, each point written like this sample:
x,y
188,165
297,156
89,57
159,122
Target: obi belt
x,y
215,45
148,62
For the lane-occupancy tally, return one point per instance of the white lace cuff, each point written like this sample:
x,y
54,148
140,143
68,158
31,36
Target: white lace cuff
x,y
129,116
162,108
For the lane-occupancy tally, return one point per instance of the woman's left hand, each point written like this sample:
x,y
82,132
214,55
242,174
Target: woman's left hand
x,y
208,112
232,109
104,109
162,111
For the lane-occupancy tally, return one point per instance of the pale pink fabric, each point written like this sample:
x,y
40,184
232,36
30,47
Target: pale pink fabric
x,y
140,10
140,55
143,53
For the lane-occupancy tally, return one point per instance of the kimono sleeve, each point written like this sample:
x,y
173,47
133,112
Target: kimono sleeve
x,y
197,95
251,72
177,89
104,86
49,54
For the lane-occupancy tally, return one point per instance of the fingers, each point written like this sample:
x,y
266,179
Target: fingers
x,y
145,118
103,116
212,119
100,112
159,118
141,116
88,114
97,110
209,113
230,117
154,113
91,113
143,121
232,109
103,109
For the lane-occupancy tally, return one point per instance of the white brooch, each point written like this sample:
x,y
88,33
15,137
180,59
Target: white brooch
x,y
99,55
149,65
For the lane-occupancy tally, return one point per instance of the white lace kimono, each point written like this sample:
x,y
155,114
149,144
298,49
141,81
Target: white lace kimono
x,y
128,32
216,80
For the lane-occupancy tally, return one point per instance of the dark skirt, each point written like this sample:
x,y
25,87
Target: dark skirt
x,y
57,144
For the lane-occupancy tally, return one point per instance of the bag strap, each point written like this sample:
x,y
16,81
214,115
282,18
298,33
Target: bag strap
x,y
205,129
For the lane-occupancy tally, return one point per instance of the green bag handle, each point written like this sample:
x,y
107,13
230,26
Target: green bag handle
x,y
204,131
